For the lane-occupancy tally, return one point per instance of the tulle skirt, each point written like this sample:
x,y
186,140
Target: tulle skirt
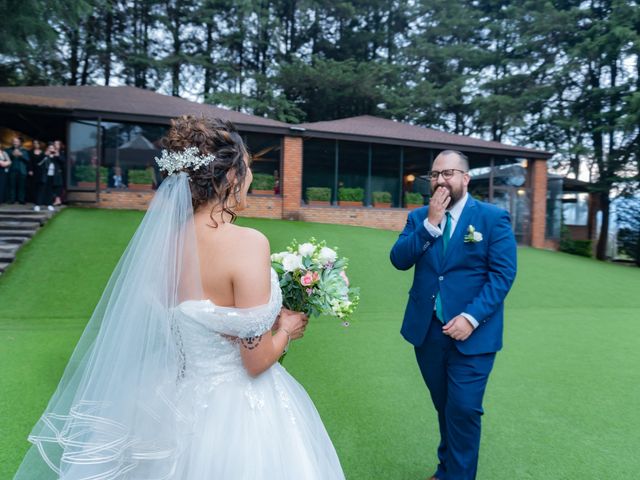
x,y
257,428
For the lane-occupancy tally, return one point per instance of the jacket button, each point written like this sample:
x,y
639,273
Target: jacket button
x,y
441,278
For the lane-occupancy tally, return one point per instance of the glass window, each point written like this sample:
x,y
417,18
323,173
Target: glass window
x,y
318,165
353,167
554,207
385,172
128,154
265,150
575,208
83,155
417,162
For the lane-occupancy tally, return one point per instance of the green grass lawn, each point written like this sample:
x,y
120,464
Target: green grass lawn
x,y
563,401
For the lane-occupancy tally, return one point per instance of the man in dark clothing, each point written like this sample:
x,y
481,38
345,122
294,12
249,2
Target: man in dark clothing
x,y
18,171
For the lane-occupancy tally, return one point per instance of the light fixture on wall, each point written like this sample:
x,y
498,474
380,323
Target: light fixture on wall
x,y
521,191
410,177
525,163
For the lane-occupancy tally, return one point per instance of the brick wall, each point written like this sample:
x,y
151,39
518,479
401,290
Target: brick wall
x,y
538,182
125,200
263,206
383,218
291,182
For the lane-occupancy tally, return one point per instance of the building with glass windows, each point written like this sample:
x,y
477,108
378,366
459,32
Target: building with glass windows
x,y
363,171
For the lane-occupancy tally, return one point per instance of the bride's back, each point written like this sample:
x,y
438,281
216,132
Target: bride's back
x,y
234,263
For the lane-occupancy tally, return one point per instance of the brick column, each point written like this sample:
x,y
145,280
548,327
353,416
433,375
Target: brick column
x,y
538,182
291,181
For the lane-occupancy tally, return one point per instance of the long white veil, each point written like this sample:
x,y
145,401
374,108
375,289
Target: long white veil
x,y
114,413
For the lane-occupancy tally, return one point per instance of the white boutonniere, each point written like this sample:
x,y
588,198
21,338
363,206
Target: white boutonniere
x,y
472,236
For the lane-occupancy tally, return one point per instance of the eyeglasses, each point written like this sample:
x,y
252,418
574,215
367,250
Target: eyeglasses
x,y
446,174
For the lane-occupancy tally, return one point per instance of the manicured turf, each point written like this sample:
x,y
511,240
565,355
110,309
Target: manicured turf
x,y
563,400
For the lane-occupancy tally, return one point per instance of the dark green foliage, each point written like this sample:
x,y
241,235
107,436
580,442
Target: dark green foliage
x,y
322,194
263,181
584,248
628,214
142,177
351,194
382,197
413,198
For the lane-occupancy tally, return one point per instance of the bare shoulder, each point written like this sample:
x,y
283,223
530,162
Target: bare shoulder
x,y
250,240
251,267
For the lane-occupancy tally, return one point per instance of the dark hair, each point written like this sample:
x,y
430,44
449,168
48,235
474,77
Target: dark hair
x,y
215,137
461,156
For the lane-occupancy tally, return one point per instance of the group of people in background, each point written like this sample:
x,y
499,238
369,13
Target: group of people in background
x,y
34,175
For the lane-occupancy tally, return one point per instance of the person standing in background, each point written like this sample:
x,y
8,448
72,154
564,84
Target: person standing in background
x,y
5,164
18,171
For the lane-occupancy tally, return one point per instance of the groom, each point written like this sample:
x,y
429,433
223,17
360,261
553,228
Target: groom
x,y
464,254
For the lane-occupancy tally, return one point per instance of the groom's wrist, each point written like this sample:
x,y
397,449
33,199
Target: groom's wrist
x,y
474,323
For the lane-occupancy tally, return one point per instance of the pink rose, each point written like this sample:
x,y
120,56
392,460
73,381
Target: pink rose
x,y
316,276
344,277
306,279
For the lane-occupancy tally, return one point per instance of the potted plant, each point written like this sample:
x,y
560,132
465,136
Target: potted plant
x,y
412,200
139,179
85,176
350,197
263,184
381,200
319,196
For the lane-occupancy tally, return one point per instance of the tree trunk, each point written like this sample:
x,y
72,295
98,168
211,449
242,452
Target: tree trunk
x,y
601,249
106,61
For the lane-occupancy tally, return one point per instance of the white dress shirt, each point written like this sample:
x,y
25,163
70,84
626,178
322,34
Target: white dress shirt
x,y
437,231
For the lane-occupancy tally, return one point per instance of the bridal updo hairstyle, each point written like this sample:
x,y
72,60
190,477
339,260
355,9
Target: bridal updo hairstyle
x,y
211,137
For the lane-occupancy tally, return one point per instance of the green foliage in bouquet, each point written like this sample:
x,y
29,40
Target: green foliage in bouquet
x,y
381,197
351,194
413,198
319,193
263,181
313,280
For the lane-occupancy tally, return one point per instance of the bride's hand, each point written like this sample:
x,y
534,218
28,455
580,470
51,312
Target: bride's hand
x,y
294,323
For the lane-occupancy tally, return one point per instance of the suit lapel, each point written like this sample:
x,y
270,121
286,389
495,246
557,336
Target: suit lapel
x,y
461,227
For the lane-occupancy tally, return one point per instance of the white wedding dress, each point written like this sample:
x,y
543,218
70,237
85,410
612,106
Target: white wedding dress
x,y
156,388
243,427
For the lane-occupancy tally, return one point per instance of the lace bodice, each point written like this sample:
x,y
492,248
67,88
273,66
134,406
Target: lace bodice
x,y
205,332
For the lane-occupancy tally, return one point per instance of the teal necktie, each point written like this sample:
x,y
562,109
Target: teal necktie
x,y
445,241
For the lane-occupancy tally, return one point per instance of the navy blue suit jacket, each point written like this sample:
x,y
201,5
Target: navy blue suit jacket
x,y
472,277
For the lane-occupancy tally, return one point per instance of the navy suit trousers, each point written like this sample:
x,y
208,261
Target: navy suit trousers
x,y
457,383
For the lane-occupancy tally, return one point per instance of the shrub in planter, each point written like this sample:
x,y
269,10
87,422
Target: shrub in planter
x,y
381,199
263,183
412,200
139,179
85,175
319,195
583,248
350,197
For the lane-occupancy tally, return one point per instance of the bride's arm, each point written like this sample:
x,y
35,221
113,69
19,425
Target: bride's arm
x,y
252,287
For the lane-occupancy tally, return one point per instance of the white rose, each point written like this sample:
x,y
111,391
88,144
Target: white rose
x,y
477,237
306,249
292,262
327,255
277,257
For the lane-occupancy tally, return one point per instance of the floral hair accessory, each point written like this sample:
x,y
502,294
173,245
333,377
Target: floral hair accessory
x,y
191,157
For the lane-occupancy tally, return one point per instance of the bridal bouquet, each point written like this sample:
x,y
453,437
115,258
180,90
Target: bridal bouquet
x,y
313,280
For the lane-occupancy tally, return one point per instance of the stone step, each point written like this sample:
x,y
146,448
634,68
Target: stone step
x,y
8,240
6,256
13,225
40,218
4,234
3,266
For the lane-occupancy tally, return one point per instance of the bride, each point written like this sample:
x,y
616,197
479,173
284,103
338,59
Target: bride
x,y
176,375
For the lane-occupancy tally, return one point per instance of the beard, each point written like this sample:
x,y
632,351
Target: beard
x,y
455,192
